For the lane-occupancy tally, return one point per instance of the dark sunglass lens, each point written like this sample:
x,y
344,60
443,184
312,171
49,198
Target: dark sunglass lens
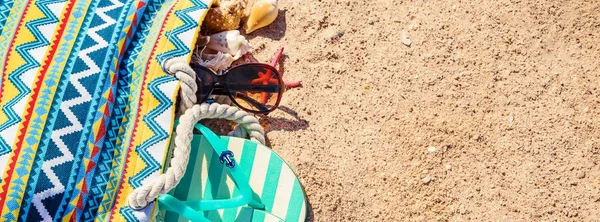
x,y
205,81
255,87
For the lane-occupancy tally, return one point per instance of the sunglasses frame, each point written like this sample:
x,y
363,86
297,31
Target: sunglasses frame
x,y
223,89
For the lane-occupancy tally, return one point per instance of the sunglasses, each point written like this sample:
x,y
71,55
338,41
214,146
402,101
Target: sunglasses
x,y
254,87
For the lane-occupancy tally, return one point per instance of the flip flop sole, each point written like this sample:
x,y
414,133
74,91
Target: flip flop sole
x,y
272,180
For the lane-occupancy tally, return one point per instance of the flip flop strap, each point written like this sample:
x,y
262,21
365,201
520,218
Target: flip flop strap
x,y
192,209
147,193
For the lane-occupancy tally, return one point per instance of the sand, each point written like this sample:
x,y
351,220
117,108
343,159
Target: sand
x,y
506,93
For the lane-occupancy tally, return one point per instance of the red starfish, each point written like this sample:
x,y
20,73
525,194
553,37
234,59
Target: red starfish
x,y
264,79
274,62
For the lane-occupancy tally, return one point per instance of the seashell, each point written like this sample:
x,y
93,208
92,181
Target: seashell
x,y
215,62
263,13
229,42
202,41
404,39
226,16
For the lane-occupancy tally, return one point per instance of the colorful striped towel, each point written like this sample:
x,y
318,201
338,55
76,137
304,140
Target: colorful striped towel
x,y
86,110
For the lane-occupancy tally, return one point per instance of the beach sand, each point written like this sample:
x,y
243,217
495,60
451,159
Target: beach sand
x,y
491,113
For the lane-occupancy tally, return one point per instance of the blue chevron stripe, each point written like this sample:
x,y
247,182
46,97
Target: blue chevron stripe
x,y
82,171
14,77
4,147
106,155
128,215
145,214
5,7
101,177
188,23
4,10
159,134
13,118
10,23
106,151
79,9
30,62
97,100
66,92
137,65
89,175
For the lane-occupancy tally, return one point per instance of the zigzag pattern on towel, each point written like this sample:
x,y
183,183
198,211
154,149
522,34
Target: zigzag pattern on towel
x,y
137,65
159,133
139,215
5,7
67,109
56,73
10,23
173,36
71,199
128,215
81,192
101,178
4,147
4,10
30,61
126,24
73,25
7,35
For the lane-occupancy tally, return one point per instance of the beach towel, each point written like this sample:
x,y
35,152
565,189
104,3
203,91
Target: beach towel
x,y
86,108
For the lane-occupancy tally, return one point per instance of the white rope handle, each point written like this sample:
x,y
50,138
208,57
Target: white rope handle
x,y
182,71
187,91
145,194
247,125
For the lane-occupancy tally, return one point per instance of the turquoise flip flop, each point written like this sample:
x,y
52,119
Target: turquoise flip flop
x,y
234,179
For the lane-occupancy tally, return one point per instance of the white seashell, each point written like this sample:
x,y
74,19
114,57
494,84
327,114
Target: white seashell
x,y
217,61
229,42
431,149
263,13
404,39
